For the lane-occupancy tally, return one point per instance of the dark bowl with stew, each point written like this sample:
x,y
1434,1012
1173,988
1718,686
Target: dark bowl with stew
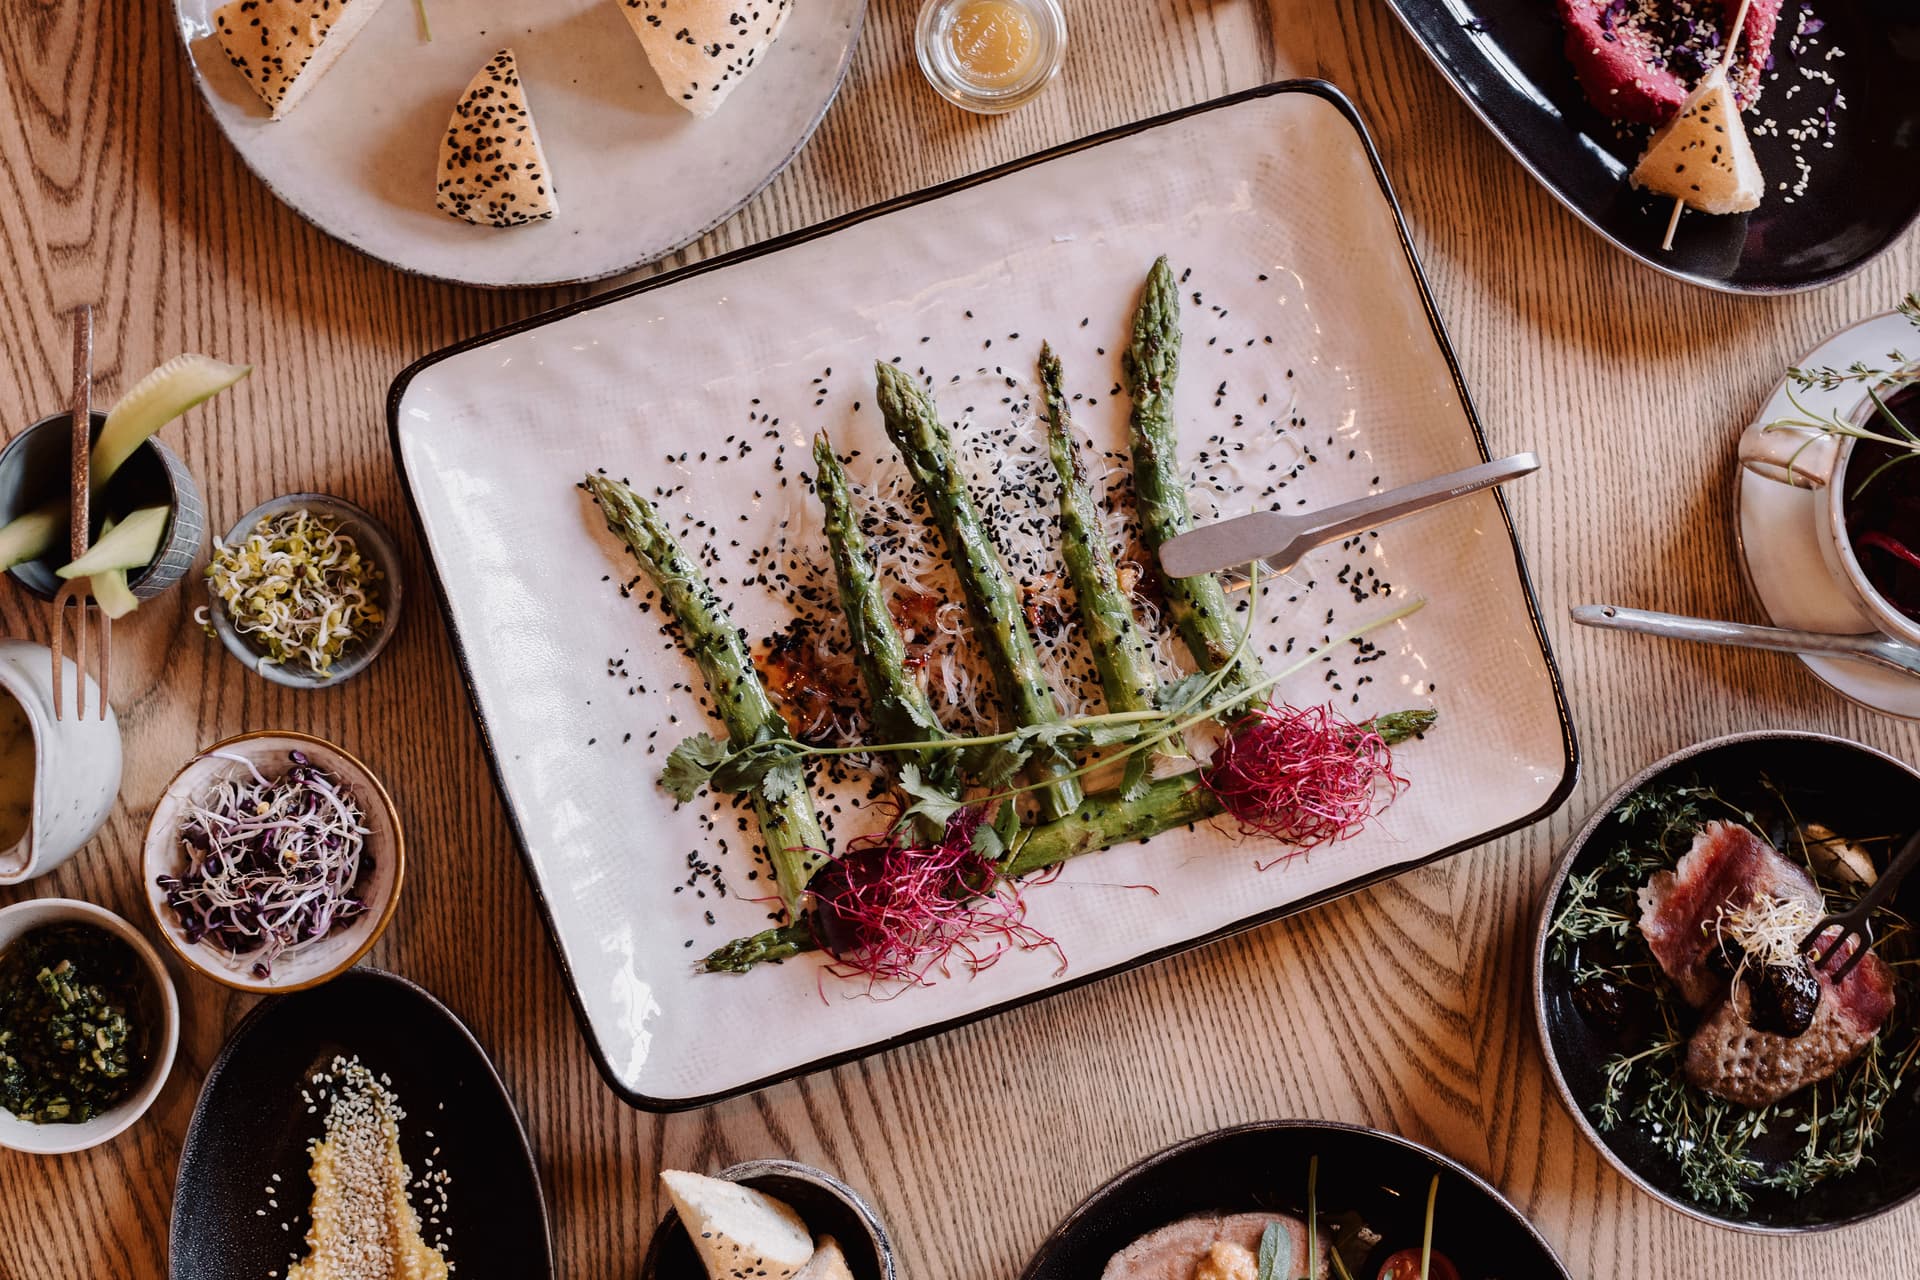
x,y
1360,1176
1877,488
1590,1016
151,1005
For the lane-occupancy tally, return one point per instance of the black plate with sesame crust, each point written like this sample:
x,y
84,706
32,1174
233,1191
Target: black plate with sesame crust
x,y
1854,199
242,1193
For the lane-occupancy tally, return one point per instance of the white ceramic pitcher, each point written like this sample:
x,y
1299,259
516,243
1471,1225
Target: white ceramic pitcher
x,y
76,763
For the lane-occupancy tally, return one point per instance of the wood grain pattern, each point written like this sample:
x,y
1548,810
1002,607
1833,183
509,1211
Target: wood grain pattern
x,y
1405,1006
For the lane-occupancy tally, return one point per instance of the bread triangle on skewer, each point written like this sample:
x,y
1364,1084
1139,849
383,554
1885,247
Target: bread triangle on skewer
x,y
1702,157
703,49
492,171
283,46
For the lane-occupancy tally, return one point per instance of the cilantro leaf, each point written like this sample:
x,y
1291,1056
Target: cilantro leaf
x,y
690,766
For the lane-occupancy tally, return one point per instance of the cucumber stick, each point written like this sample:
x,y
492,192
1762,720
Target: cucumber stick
x,y
109,589
32,535
157,399
134,542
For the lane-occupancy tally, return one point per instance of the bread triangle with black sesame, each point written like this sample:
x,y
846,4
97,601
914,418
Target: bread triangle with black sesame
x,y
492,170
283,47
703,49
741,1234
1702,157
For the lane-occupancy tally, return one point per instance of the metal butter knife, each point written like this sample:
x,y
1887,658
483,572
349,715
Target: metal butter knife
x,y
1280,540
1873,647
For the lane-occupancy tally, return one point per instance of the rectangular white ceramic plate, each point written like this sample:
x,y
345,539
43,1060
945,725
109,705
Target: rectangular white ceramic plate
x,y
1276,202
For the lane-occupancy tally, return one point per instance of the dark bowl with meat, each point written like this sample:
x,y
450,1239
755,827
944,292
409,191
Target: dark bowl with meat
x,y
1685,1024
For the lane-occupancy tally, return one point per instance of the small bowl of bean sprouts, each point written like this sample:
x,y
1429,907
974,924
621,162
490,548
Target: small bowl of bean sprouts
x,y
305,590
273,862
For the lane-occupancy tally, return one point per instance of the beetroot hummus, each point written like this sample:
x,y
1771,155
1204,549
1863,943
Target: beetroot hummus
x,y
1637,59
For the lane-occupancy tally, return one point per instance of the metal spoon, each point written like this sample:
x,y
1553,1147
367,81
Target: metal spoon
x,y
1873,647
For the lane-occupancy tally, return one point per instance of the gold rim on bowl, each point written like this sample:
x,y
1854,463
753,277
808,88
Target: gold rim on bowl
x,y
185,951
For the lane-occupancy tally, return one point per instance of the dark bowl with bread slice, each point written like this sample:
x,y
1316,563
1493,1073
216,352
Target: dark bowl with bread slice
x,y
1213,1205
1697,1038
793,1222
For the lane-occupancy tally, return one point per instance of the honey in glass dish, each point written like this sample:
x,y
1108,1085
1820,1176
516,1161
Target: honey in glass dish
x,y
990,56
1883,508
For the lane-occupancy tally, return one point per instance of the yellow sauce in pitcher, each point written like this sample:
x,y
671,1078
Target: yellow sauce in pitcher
x,y
16,772
992,41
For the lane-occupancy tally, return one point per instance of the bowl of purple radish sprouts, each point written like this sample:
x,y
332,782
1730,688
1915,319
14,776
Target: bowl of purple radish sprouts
x,y
273,861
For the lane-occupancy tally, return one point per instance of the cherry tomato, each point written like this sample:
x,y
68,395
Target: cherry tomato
x,y
1405,1265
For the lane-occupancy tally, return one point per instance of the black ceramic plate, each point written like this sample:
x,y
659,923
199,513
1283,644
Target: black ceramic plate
x,y
1263,1167
251,1124
1854,790
1506,58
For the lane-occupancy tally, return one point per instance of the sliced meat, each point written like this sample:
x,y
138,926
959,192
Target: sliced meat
x,y
1176,1252
1729,1057
1638,59
1727,867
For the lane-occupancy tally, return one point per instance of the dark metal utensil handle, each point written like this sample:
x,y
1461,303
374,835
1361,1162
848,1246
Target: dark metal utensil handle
x,y
1856,922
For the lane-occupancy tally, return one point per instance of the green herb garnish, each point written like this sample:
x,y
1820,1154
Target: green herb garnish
x,y
71,1024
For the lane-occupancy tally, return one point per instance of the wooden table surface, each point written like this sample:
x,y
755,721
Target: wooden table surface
x,y
1405,1006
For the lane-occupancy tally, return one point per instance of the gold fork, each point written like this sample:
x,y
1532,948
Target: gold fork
x,y
75,597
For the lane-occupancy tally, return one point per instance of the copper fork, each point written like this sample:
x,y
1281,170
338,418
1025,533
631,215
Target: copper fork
x,y
1855,924
75,597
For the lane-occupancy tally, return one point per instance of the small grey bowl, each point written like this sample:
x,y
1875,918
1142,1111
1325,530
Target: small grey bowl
x,y
374,541
827,1205
33,468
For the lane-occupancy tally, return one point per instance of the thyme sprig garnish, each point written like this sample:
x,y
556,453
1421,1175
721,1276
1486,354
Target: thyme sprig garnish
x,y
1901,371
1713,1142
702,761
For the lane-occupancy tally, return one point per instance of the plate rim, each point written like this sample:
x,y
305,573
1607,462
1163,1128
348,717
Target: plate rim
x,y
800,144
376,977
1145,1163
1550,896
1429,42
1570,749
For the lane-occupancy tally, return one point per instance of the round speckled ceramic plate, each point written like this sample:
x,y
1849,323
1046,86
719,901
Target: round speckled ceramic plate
x,y
637,177
240,1199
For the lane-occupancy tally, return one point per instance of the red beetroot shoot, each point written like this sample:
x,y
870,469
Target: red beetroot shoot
x,y
897,912
1304,776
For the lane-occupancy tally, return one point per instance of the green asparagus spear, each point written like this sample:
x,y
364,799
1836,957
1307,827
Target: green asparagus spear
x,y
795,844
898,706
1121,652
999,621
1103,820
1152,365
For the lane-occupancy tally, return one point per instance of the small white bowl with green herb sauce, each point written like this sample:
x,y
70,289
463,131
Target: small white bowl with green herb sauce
x,y
114,987
305,590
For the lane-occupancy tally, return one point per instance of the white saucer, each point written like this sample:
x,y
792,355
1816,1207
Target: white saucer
x,y
1778,531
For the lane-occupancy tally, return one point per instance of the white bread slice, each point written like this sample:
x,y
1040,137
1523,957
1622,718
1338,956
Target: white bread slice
x,y
827,1263
741,1234
701,49
492,171
283,46
1702,156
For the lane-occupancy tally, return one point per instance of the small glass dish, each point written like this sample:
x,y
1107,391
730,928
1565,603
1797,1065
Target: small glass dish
x,y
934,44
375,543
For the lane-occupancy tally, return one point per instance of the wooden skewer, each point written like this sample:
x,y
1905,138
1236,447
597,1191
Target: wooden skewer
x,y
1726,60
